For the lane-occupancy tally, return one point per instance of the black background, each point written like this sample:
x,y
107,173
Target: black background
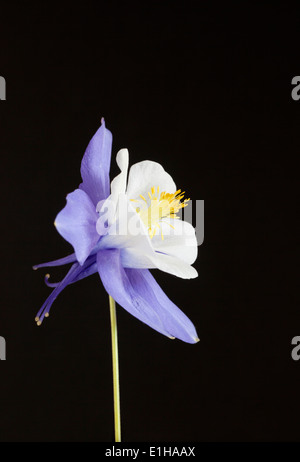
x,y
206,91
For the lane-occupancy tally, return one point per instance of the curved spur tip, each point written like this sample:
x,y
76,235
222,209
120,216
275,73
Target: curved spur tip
x,y
197,339
102,120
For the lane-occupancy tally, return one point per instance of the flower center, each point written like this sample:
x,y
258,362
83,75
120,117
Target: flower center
x,y
158,206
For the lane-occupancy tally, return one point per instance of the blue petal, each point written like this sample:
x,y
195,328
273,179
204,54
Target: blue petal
x,y
76,222
173,319
95,165
117,284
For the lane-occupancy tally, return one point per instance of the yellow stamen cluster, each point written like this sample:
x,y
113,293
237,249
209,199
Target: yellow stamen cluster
x,y
159,206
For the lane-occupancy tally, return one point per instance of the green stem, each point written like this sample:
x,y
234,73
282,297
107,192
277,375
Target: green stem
x,y
115,366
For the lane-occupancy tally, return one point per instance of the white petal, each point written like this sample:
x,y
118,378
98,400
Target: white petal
x,y
174,265
118,184
144,175
136,258
179,240
117,187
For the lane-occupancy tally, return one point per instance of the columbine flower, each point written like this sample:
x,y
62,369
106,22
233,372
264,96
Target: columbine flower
x,y
123,229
